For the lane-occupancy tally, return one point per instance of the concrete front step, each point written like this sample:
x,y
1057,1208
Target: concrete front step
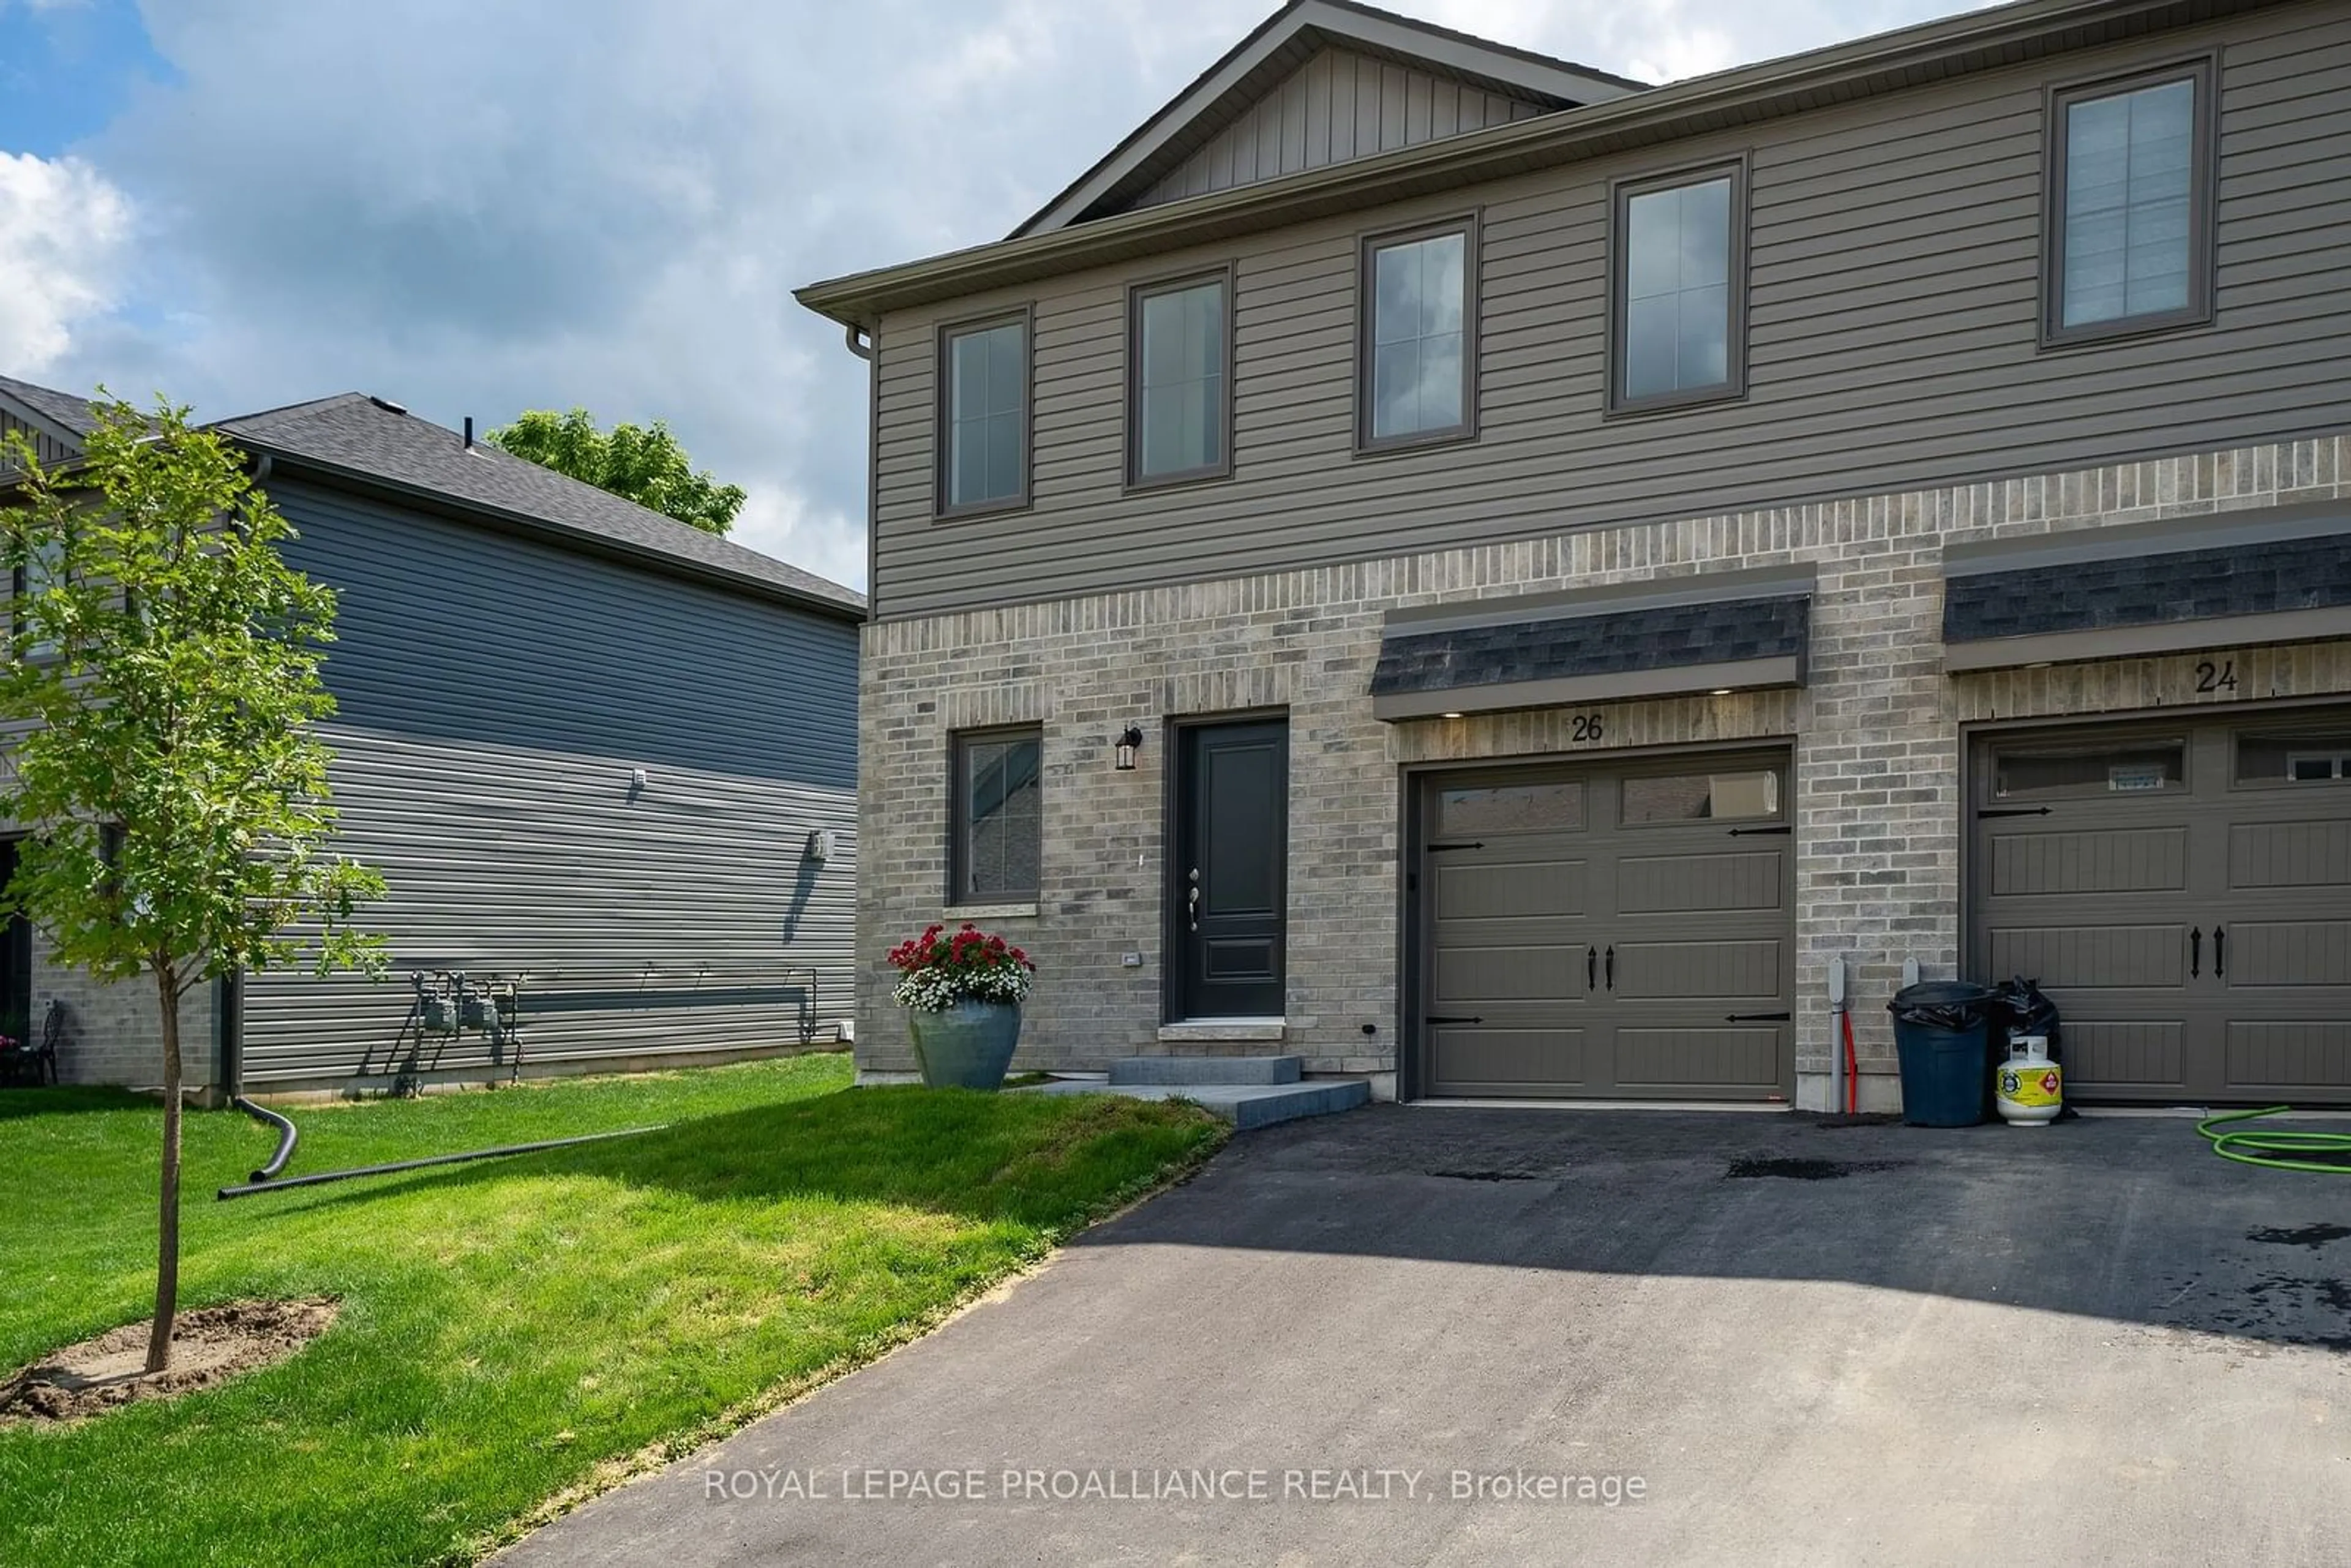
x,y
1244,1105
1207,1070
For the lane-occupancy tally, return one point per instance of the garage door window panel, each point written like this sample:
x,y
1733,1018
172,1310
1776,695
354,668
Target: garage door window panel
x,y
2294,760
1552,808
2139,769
1702,797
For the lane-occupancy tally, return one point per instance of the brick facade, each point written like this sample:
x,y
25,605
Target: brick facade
x,y
112,1035
1876,735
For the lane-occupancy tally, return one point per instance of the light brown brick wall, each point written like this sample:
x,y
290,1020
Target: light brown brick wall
x,y
1875,736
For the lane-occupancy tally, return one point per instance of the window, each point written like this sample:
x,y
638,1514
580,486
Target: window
x,y
1418,355
998,816
1512,809
2308,758
34,571
2131,205
1700,796
1179,403
1679,289
984,416
2145,768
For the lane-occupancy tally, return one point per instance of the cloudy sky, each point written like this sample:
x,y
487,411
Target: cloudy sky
x,y
478,206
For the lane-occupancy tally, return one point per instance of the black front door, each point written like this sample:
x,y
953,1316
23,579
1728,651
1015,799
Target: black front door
x,y
15,960
1229,887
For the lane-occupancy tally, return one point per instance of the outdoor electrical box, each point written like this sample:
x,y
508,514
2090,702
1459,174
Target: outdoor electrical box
x,y
820,845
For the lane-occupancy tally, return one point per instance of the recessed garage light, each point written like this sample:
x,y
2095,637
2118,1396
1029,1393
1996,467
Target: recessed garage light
x,y
1722,691
1449,716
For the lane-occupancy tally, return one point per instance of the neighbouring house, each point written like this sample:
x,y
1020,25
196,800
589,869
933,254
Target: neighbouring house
x,y
606,762
1580,559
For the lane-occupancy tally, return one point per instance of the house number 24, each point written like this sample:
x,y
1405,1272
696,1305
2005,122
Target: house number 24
x,y
2219,677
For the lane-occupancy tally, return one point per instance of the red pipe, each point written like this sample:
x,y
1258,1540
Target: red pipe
x,y
1851,1068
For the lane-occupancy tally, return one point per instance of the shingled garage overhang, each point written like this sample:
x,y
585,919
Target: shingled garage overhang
x,y
1721,631
2226,579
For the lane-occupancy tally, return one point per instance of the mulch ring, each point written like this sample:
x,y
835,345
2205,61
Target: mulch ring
x,y
209,1345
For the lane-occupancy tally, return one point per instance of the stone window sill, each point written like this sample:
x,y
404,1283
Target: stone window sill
x,y
977,912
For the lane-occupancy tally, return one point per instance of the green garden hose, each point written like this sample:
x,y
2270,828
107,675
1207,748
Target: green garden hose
x,y
2260,1146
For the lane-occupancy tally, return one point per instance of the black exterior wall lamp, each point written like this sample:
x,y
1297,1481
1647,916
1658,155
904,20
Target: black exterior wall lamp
x,y
1128,745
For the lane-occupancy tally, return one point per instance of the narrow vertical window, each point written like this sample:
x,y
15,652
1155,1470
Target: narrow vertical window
x,y
1679,301
1417,351
2130,218
984,416
997,830
1179,401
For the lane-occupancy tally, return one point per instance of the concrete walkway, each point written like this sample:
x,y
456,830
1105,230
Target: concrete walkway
x,y
1797,1343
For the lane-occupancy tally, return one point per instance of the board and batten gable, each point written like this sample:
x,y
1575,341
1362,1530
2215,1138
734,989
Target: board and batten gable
x,y
496,697
47,448
1894,292
1341,104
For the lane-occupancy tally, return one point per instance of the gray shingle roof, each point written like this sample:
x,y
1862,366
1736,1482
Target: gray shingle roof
x,y
1609,642
2251,579
59,408
362,438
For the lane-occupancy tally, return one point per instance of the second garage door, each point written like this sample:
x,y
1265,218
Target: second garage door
x,y
2183,892
1608,933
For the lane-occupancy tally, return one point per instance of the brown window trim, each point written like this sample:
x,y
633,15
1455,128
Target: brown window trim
x,y
1732,387
2203,243
1136,293
960,829
941,413
1468,225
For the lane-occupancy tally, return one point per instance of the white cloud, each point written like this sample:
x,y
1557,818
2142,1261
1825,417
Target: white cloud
x,y
779,521
63,230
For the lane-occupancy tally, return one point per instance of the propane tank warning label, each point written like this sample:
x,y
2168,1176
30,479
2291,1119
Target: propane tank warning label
x,y
2030,1086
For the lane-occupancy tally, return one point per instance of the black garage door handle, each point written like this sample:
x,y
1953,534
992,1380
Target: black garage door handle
x,y
1612,966
2196,952
2013,811
1590,969
2220,953
1758,1017
1438,1019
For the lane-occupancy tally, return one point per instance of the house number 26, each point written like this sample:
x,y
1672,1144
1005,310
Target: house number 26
x,y
2219,677
1586,726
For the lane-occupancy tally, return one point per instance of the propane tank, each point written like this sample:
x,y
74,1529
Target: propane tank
x,y
2030,1088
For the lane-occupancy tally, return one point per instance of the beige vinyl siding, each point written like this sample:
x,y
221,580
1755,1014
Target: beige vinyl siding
x,y
1339,106
1893,299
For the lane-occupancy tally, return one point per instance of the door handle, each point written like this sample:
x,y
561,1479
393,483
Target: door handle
x,y
1440,1019
1612,966
2220,953
2195,952
1591,970
1756,1018
1192,900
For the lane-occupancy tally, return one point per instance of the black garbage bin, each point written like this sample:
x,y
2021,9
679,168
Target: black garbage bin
x,y
1939,1035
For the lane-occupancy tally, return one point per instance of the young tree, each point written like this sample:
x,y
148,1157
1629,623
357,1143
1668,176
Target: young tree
x,y
163,665
644,466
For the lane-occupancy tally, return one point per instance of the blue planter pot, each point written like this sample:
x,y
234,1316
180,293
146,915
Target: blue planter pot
x,y
969,1046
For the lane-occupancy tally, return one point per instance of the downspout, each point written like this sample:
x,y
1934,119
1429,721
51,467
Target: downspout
x,y
863,351
228,1028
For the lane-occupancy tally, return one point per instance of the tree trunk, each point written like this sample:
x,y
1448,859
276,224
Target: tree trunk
x,y
167,1250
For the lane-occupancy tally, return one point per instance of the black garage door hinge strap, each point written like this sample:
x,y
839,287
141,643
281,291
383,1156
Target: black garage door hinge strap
x,y
1762,833
2013,811
1439,849
1758,1017
1440,1018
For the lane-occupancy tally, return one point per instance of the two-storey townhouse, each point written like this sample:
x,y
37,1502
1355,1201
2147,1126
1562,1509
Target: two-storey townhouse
x,y
1498,578
601,757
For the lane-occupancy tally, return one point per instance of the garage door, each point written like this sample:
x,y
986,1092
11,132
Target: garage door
x,y
2183,892
1618,933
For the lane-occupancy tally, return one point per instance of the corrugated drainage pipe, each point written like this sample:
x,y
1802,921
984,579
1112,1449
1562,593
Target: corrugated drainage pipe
x,y
287,1136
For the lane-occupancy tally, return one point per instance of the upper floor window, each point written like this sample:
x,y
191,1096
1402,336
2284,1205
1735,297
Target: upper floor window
x,y
1180,399
1418,353
997,838
984,415
2131,205
1679,289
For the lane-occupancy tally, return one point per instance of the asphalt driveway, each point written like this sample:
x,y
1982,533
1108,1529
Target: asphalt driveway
x,y
1440,1335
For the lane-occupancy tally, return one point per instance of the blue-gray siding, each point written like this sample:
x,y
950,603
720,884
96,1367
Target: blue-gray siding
x,y
46,447
496,697
1896,257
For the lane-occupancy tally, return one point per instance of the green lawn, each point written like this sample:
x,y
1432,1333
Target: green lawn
x,y
518,1328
